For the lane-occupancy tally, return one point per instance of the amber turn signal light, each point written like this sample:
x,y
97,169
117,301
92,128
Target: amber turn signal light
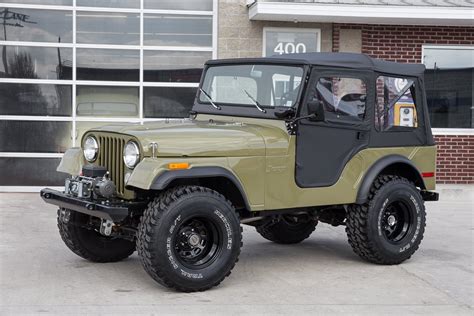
x,y
178,165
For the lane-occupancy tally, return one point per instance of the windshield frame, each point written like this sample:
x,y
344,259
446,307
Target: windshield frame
x,y
248,110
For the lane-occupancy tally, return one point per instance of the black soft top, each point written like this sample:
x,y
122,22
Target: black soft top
x,y
343,60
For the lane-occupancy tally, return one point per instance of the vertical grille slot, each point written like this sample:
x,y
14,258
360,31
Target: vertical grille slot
x,y
110,156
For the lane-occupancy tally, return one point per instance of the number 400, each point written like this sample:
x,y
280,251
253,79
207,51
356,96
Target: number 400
x,y
290,48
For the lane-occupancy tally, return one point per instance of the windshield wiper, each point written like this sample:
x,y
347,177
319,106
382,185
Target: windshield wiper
x,y
257,105
210,99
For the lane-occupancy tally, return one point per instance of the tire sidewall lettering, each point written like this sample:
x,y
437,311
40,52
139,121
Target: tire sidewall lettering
x,y
169,245
170,255
227,228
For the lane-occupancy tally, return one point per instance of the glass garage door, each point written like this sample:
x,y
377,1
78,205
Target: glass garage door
x,y
69,65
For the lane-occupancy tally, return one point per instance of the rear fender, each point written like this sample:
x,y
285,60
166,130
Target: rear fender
x,y
392,164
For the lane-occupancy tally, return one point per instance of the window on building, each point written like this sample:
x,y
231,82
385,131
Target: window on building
x,y
169,102
35,99
343,98
30,172
195,5
396,105
108,64
28,62
161,66
107,101
36,25
109,3
35,136
177,30
449,85
108,28
278,41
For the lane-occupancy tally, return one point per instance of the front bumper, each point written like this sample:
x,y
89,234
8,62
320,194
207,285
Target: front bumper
x,y
116,212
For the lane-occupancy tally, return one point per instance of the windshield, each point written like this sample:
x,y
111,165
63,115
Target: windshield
x,y
252,85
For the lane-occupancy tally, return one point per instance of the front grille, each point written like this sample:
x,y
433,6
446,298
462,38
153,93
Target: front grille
x,y
111,157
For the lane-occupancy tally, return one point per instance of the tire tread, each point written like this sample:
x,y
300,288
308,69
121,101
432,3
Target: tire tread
x,y
356,224
152,215
69,235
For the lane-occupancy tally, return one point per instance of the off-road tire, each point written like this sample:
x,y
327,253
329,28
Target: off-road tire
x,y
160,230
281,232
365,222
89,244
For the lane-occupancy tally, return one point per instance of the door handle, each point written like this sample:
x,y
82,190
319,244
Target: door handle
x,y
361,135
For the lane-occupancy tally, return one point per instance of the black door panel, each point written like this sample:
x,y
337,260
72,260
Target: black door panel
x,y
324,148
322,153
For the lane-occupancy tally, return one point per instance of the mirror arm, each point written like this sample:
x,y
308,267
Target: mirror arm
x,y
291,124
296,120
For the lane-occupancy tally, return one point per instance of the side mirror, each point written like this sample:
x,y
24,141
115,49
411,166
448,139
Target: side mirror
x,y
315,111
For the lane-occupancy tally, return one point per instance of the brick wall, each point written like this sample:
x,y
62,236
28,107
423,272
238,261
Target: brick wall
x,y
404,44
455,159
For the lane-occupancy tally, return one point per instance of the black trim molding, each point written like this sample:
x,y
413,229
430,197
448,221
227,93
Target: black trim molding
x,y
375,170
162,181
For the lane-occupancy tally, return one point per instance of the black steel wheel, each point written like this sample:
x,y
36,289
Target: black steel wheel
x,y
189,238
197,242
396,221
388,229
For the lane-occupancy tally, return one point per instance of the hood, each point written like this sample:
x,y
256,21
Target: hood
x,y
205,138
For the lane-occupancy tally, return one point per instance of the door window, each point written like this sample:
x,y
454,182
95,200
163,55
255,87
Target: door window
x,y
343,98
396,105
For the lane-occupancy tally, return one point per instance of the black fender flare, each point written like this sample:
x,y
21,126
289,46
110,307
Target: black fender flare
x,y
373,172
162,181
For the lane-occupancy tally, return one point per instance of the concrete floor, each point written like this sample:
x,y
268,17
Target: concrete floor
x,y
39,275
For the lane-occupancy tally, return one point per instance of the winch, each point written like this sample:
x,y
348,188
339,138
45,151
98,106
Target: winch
x,y
94,181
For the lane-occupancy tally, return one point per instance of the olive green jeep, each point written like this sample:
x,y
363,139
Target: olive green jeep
x,y
278,143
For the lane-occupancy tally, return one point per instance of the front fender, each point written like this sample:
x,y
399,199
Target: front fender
x,y
153,174
145,173
72,161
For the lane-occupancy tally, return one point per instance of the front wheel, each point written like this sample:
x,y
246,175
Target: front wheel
x,y
388,229
189,238
84,241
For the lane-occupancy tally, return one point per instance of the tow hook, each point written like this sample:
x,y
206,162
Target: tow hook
x,y
106,227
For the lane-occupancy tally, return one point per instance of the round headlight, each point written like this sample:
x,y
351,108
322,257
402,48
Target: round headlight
x,y
91,148
131,154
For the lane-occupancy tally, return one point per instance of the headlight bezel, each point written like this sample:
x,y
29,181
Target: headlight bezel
x,y
95,147
136,155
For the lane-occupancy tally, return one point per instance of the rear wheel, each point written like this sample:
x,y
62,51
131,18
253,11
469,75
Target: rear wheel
x,y
189,238
89,244
287,229
388,229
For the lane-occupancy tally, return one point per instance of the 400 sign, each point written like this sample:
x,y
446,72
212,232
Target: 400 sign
x,y
289,48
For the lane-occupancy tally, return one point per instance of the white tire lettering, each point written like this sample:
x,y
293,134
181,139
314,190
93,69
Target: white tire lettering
x,y
170,254
191,275
227,227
